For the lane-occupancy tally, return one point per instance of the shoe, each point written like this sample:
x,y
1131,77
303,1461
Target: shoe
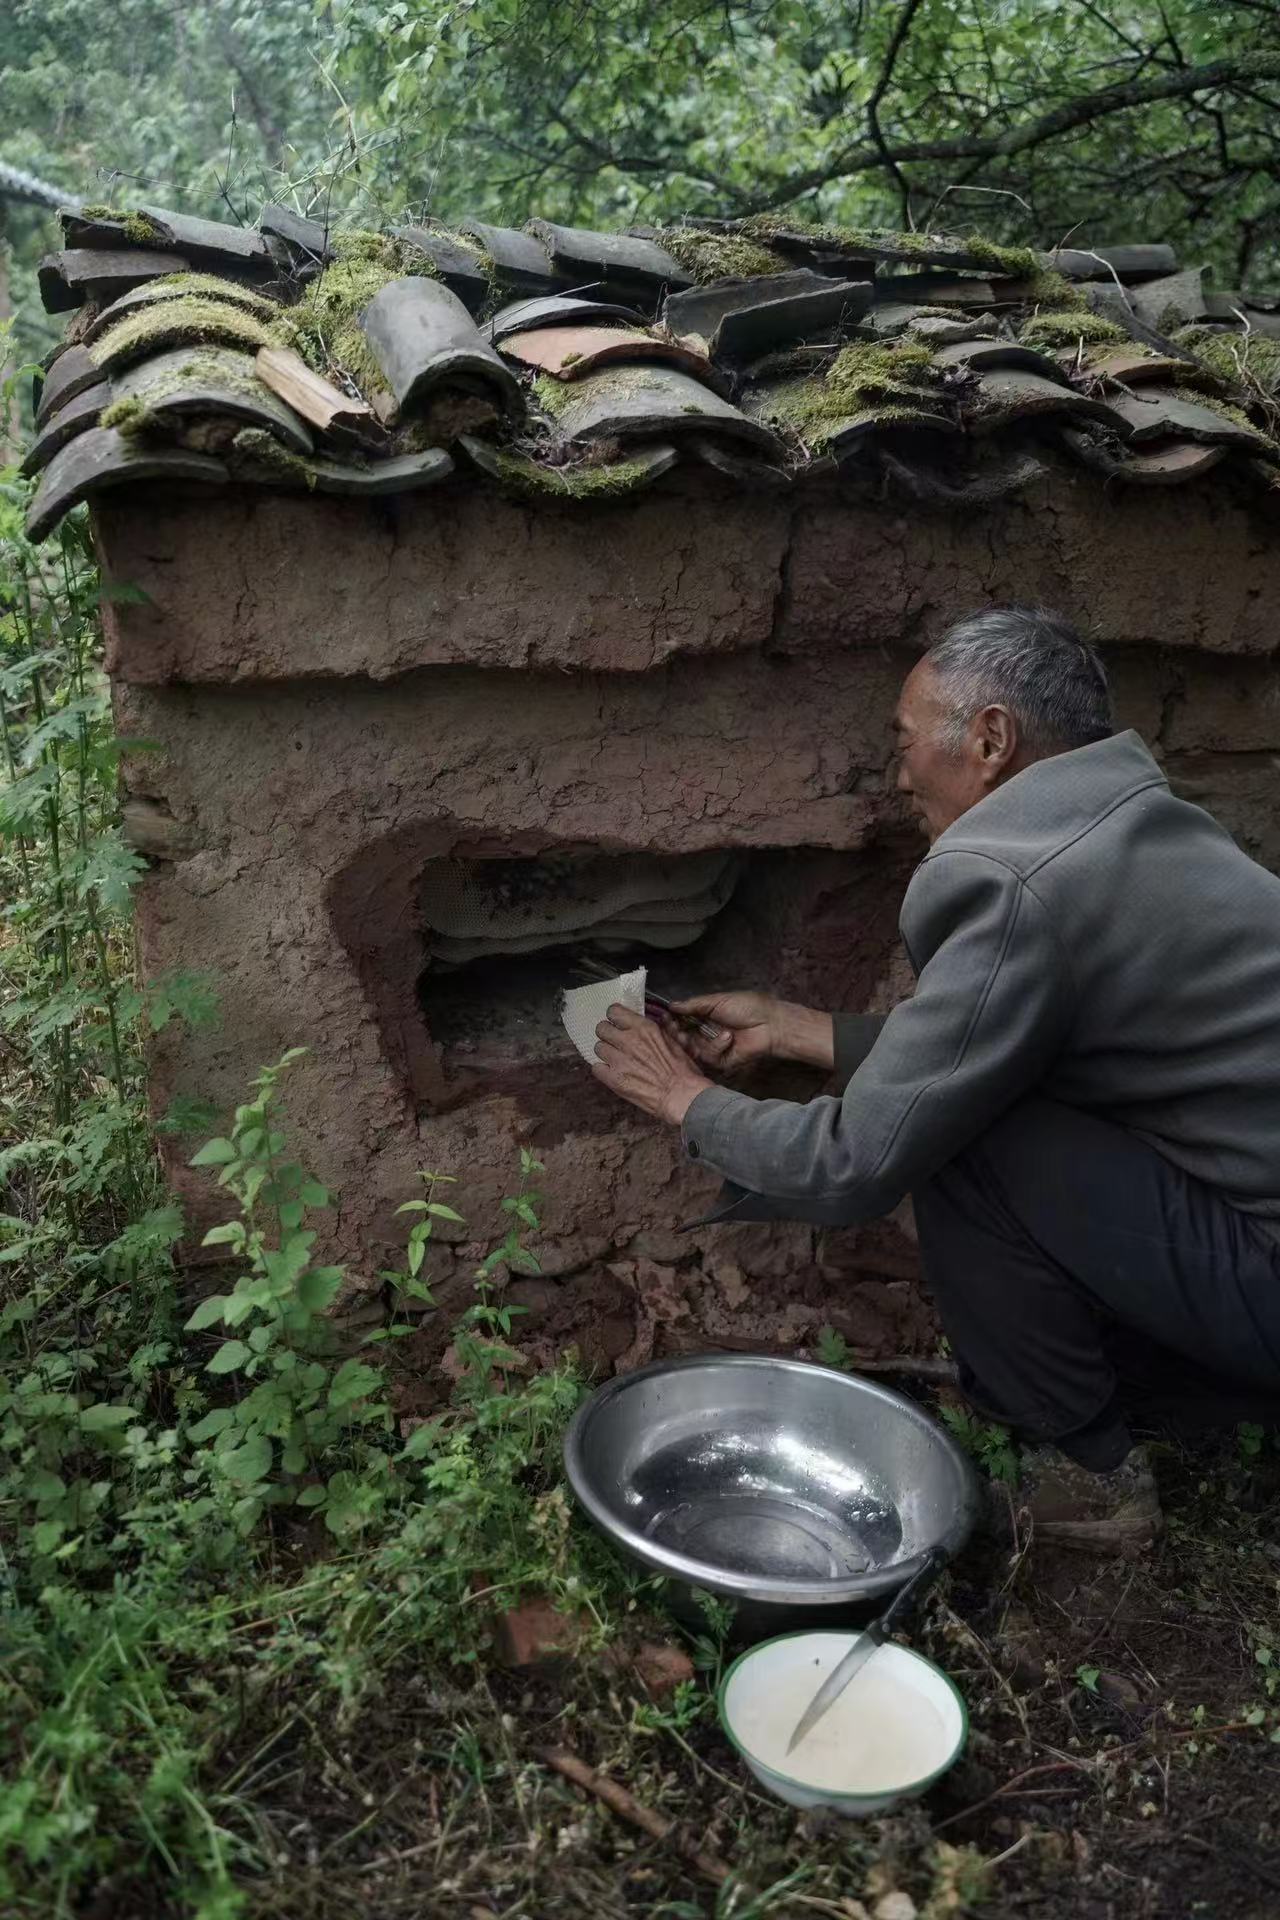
x,y
1112,1512
1062,1502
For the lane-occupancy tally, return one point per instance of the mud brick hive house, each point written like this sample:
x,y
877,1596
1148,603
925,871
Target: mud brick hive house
x,y
514,592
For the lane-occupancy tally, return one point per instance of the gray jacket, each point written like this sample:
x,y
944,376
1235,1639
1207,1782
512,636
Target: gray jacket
x,y
1080,932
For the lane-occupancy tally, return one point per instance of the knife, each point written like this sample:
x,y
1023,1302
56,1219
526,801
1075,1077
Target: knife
x,y
871,1640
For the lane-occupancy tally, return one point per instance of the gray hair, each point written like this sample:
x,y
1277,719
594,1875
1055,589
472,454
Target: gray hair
x,y
1031,662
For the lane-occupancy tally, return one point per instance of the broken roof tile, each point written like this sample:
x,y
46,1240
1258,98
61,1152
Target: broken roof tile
x,y
70,372
422,337
460,267
257,456
553,310
936,290
741,468
102,458
639,402
1168,463
200,319
742,318
518,262
342,420
571,352
302,235
844,341
75,416
68,279
1131,262
986,352
211,243
178,286
610,261
1161,413
1008,394
1174,301
195,382
536,479
1127,364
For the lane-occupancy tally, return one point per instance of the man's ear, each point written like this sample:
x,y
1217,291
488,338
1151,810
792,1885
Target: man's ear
x,y
997,739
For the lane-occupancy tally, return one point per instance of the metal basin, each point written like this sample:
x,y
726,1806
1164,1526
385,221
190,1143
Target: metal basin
x,y
794,1490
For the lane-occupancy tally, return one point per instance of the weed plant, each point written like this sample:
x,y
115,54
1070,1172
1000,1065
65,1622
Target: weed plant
x,y
212,1529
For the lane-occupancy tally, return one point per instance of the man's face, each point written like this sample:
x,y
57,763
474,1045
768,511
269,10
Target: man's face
x,y
942,781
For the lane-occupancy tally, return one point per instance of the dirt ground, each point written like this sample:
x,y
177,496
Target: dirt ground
x,y
1123,1762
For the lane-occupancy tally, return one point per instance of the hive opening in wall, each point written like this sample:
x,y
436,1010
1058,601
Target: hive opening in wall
x,y
503,935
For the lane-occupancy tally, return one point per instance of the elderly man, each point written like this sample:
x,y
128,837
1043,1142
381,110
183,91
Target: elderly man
x,y
1083,1094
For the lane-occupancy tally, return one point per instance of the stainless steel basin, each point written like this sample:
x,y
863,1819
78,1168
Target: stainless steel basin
x,y
788,1487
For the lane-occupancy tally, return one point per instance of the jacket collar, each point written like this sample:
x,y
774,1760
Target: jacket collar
x,y
1058,796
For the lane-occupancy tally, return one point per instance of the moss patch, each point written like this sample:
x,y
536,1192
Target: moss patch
x,y
171,285
128,415
140,229
1248,360
1068,329
721,256
259,451
585,481
327,319
891,380
553,395
177,323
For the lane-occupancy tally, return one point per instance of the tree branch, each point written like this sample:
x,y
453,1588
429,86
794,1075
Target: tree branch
x,y
1080,112
901,29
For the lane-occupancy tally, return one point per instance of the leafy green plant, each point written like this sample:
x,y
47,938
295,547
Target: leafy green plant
x,y
832,1349
299,1433
991,1445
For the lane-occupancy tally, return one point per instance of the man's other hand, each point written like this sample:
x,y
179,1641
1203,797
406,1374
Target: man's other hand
x,y
642,1063
748,1029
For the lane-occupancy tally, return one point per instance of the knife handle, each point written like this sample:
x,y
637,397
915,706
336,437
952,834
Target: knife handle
x,y
906,1596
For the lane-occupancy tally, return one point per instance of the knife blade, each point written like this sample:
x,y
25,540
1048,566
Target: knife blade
x,y
872,1639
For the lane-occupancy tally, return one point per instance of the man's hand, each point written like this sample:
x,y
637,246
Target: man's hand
x,y
754,1027
747,1023
640,1061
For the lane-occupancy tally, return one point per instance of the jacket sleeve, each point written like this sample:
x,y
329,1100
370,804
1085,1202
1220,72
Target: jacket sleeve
x,y
853,1035
993,1004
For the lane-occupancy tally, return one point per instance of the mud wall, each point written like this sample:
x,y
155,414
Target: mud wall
x,y
341,691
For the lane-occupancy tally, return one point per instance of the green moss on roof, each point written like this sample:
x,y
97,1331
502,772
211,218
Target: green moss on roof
x,y
171,285
601,480
721,256
140,228
553,395
327,318
1069,329
186,320
257,449
1248,360
887,379
128,414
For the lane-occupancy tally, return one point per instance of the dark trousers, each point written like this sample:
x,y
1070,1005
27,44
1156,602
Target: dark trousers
x,y
1077,1273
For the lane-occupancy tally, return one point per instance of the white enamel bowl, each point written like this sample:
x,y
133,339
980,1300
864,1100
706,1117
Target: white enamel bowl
x,y
796,1664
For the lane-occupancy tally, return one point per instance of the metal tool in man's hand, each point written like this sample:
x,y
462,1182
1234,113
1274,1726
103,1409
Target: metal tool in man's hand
x,y
871,1640
599,970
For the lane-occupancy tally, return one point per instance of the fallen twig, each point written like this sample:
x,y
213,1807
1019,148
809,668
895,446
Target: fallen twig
x,y
912,1366
627,1807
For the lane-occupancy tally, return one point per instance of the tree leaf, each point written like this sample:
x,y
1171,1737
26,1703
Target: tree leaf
x,y
214,1153
249,1463
207,1314
102,1419
213,1422
229,1358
